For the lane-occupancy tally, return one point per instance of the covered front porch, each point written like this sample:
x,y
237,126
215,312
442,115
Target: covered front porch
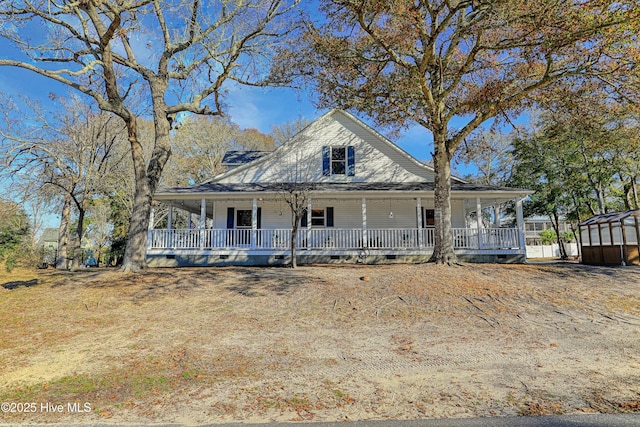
x,y
230,229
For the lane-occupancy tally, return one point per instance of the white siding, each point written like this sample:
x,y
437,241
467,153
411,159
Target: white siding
x,y
301,159
404,213
347,213
275,215
458,219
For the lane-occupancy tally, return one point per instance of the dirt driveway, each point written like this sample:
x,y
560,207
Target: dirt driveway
x,y
322,343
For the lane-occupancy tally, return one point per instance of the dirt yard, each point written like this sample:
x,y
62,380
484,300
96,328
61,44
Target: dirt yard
x,y
320,343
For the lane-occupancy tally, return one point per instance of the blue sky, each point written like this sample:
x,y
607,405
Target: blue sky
x,y
249,107
262,108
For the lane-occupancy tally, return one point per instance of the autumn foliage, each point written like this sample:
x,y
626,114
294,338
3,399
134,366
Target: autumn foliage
x,y
450,66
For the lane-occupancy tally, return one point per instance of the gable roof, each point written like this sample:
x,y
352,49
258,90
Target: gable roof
x,y
48,235
314,131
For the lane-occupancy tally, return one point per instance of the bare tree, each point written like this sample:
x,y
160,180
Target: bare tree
x,y
285,131
491,153
174,55
295,188
199,144
100,228
296,196
70,153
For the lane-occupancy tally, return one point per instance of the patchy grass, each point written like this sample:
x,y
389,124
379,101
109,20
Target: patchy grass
x,y
17,273
254,344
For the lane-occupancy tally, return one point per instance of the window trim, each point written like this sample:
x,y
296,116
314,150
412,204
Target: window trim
x,y
428,214
342,161
347,162
242,227
315,219
328,217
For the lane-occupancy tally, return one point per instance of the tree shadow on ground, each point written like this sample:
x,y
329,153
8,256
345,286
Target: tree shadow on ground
x,y
259,281
572,270
139,286
154,283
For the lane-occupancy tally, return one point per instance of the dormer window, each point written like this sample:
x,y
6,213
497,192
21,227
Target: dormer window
x,y
338,161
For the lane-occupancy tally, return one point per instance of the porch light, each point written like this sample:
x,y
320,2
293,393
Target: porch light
x,y
390,215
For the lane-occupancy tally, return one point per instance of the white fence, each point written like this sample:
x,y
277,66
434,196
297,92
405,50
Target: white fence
x,y
551,251
330,238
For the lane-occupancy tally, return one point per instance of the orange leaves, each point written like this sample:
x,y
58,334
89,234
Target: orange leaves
x,y
479,58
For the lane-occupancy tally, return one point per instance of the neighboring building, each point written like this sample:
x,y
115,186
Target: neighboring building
x,y
48,246
533,225
369,201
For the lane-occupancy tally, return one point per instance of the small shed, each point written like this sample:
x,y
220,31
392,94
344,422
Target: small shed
x,y
611,239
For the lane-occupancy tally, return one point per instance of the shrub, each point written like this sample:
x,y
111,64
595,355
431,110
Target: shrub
x,y
548,237
14,233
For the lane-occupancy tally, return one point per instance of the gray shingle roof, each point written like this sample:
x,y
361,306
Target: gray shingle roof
x,y
240,157
218,188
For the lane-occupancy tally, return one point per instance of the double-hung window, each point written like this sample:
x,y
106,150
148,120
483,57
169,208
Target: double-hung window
x,y
338,160
317,217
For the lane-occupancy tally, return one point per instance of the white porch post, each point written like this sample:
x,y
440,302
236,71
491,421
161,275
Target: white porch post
x,y
254,223
203,221
365,240
479,221
520,221
169,238
152,215
150,228
213,214
308,232
203,213
420,224
212,224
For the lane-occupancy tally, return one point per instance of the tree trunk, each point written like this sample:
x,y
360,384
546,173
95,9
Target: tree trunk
x,y
77,242
555,222
293,245
576,238
600,197
135,250
146,181
628,197
63,235
497,214
634,191
443,252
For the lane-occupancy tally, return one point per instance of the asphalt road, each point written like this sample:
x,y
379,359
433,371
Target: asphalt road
x,y
587,420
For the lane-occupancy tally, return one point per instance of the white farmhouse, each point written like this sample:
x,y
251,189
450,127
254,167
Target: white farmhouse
x,y
368,201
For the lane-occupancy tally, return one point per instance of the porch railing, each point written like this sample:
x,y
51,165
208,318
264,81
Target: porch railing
x,y
330,238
